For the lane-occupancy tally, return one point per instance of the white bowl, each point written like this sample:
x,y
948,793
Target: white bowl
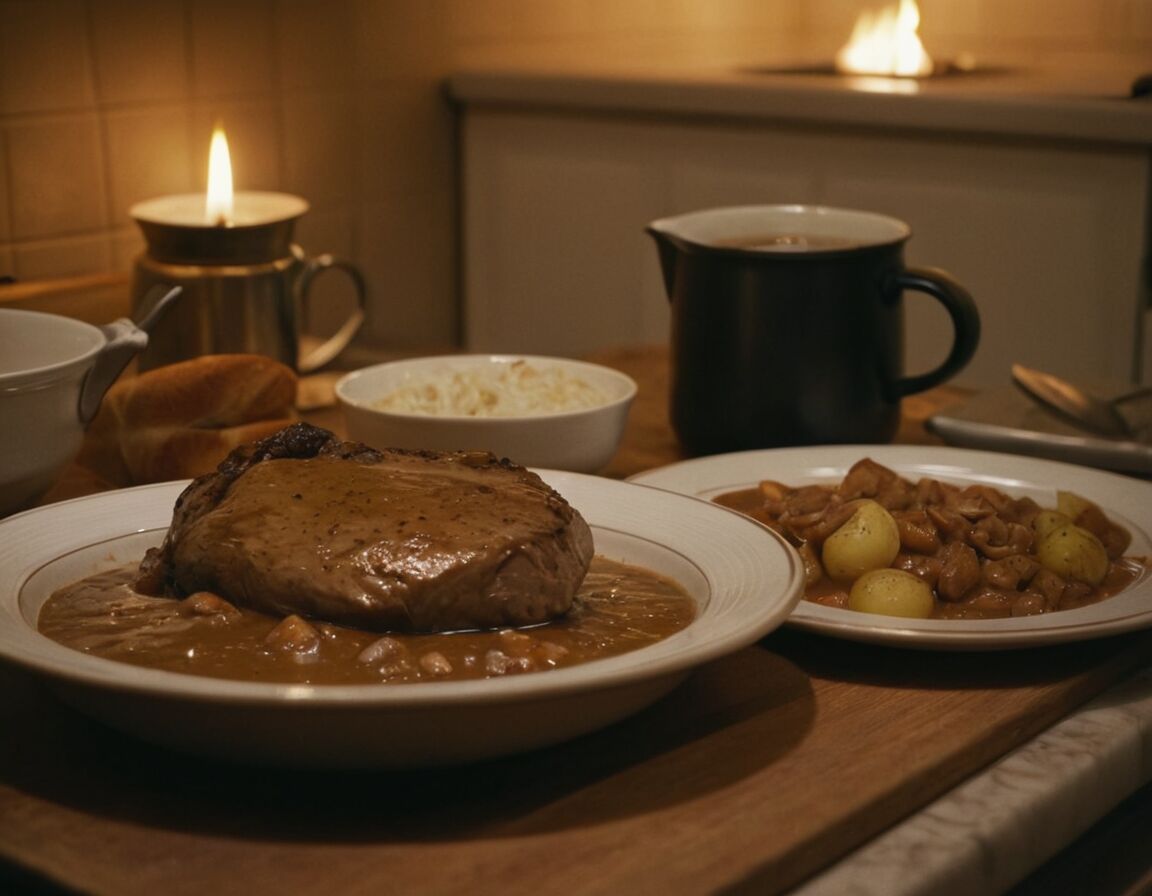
x,y
54,371
583,441
744,578
44,359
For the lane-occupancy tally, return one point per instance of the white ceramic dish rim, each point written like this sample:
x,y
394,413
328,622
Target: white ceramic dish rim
x,y
1129,501
466,362
22,645
31,376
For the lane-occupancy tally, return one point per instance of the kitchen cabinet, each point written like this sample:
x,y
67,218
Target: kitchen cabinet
x,y
1048,233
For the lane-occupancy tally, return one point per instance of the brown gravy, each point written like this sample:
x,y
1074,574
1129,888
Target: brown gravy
x,y
618,608
788,242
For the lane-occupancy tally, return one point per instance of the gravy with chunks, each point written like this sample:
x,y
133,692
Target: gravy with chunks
x,y
618,608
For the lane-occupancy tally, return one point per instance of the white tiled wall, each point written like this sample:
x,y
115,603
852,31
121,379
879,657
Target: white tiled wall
x,y
107,102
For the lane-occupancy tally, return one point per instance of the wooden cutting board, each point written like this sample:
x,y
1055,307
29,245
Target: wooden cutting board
x,y
762,768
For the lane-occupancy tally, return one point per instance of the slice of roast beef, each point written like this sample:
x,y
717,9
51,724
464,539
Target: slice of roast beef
x,y
392,540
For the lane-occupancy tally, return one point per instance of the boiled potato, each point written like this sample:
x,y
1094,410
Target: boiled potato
x,y
891,592
1074,553
868,540
1048,521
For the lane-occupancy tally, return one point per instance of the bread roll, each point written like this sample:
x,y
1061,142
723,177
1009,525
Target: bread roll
x,y
179,421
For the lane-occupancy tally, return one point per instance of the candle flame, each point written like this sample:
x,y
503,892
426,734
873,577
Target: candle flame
x,y
219,203
886,43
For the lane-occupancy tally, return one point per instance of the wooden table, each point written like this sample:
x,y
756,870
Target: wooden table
x,y
764,767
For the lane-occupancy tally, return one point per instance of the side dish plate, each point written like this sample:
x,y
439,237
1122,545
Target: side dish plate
x,y
744,578
1127,501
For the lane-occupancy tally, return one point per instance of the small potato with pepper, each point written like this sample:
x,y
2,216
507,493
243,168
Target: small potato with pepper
x,y
892,592
1074,553
868,540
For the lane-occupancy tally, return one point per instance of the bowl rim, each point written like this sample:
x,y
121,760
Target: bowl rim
x,y
480,358
33,375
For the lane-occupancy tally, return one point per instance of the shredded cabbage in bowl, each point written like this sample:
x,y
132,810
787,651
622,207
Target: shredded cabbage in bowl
x,y
515,389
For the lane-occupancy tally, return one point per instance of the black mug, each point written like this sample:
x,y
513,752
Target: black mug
x,y
788,325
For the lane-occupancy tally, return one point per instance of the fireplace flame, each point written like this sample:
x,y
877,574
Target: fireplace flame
x,y
218,206
886,43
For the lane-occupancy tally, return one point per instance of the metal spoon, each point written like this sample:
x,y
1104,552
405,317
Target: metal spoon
x,y
1089,412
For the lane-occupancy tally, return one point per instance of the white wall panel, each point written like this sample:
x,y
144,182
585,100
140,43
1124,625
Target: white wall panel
x,y
1049,239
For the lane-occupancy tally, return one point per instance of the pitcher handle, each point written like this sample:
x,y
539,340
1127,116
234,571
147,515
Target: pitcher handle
x,y
965,325
338,341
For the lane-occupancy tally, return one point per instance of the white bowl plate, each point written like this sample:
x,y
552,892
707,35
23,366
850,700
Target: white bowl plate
x,y
744,579
583,440
1127,501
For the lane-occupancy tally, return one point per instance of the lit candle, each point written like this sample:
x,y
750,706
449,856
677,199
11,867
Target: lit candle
x,y
220,206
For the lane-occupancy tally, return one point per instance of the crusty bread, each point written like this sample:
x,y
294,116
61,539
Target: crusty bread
x,y
180,421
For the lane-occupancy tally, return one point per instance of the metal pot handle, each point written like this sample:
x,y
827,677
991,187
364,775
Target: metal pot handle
x,y
125,340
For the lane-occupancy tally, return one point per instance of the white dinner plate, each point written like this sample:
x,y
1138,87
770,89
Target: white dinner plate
x,y
744,579
1127,501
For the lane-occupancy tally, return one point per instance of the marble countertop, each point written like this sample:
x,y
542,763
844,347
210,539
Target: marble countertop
x,y
990,832
1065,104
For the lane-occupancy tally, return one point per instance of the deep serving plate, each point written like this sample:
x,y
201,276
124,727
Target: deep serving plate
x,y
744,579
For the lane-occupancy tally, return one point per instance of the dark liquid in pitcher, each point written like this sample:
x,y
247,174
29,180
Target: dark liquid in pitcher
x,y
787,242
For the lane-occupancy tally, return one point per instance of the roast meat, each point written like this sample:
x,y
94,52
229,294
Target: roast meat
x,y
392,540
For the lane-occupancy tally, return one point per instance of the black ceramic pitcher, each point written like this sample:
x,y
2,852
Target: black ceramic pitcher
x,y
788,325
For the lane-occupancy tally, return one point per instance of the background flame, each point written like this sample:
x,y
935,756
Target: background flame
x,y
886,43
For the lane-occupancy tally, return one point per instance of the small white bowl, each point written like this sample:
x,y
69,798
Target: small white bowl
x,y
583,441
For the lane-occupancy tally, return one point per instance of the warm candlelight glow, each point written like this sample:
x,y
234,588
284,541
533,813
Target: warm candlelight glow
x,y
222,209
886,43
219,203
